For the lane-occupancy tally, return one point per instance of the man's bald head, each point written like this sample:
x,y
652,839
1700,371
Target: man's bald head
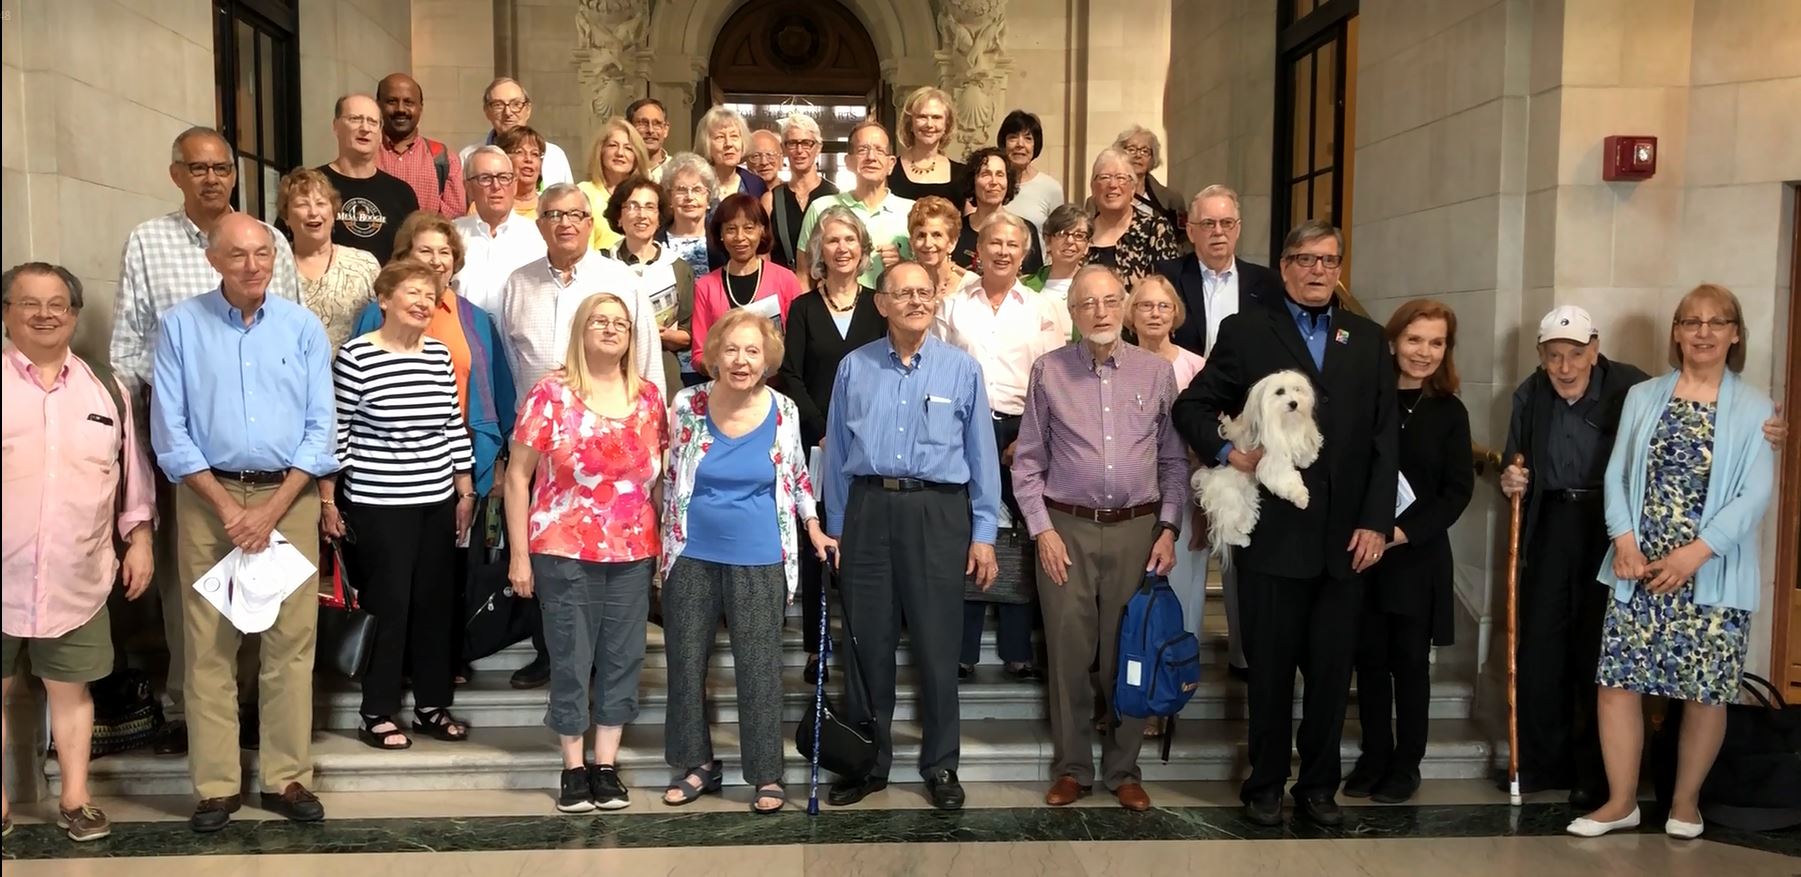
x,y
242,249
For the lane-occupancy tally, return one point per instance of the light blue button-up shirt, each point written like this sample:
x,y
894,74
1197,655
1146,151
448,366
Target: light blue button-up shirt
x,y
246,398
927,419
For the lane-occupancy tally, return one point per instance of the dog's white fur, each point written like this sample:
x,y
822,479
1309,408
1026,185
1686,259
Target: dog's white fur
x,y
1277,417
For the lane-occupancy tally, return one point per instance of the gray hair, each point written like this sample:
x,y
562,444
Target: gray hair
x,y
689,163
1112,154
560,190
195,132
1135,131
1066,218
488,93
718,117
816,245
1087,274
485,149
1002,217
807,124
1214,191
45,269
1309,231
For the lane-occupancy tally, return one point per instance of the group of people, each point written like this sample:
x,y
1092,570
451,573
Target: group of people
x,y
639,364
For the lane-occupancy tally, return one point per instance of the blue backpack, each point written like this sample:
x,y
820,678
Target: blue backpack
x,y
1159,660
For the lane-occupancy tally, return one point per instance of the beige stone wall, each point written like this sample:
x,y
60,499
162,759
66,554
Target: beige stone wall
x,y
1219,106
453,59
1039,34
1125,54
346,46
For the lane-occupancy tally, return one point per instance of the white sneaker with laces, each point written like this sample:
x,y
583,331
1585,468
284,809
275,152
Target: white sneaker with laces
x,y
1586,827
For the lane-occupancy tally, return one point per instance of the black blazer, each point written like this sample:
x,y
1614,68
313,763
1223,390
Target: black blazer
x,y
1415,579
1352,485
1256,285
814,349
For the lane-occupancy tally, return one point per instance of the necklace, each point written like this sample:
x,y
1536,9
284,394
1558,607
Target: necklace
x,y
1410,409
832,305
921,168
756,286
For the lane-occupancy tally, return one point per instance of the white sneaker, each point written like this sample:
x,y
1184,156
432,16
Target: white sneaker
x,y
1586,827
1680,830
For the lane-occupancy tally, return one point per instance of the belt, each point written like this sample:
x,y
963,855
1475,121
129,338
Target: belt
x,y
252,477
1104,516
1574,494
900,485
999,416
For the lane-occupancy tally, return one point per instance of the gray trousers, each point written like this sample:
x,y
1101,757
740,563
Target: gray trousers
x,y
594,619
903,557
753,600
1081,629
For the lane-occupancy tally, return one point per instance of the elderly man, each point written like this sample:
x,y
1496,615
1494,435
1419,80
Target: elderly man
x,y
77,479
496,240
652,121
507,106
1301,574
884,214
164,264
242,419
764,158
421,162
1096,418
1006,326
911,487
375,202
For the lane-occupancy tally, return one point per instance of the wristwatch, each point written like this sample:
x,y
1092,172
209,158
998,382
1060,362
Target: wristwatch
x,y
1174,531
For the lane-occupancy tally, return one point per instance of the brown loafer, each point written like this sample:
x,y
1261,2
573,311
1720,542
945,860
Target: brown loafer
x,y
1132,797
1065,791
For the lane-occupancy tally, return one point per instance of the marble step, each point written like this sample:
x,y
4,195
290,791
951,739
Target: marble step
x,y
488,701
996,750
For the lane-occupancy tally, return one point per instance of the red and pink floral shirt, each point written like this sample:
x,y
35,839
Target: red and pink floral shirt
x,y
592,497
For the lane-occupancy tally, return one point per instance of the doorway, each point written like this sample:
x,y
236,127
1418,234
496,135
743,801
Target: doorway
x,y
1785,660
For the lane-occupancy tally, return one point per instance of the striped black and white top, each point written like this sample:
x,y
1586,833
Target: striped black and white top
x,y
400,427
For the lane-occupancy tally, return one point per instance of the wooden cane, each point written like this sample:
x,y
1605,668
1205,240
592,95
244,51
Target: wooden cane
x,y
1513,644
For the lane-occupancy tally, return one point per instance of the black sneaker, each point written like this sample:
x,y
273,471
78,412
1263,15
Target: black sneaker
x,y
575,796
605,788
533,675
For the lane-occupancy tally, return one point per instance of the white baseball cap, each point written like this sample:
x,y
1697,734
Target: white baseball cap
x,y
1567,323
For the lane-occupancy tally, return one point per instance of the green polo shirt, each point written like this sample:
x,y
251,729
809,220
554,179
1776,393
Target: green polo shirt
x,y
886,224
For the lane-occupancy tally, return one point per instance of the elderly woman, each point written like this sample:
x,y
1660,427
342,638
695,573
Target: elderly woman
x,y
336,282
635,212
1066,235
765,157
1408,596
587,457
993,182
1021,137
927,121
618,153
1687,487
1145,151
688,182
409,497
722,136
932,227
748,279
838,316
787,202
737,484
1129,241
525,147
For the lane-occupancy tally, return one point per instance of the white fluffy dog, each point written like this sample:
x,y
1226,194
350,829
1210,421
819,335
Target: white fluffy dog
x,y
1277,417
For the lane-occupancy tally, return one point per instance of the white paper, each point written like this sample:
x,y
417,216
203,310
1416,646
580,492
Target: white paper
x,y
1134,673
768,307
1403,495
248,589
815,469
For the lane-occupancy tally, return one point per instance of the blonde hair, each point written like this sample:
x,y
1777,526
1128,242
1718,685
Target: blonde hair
x,y
640,155
1154,282
575,360
1722,298
773,346
305,181
919,96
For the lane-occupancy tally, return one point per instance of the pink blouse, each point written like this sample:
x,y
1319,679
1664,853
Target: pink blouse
x,y
1187,364
776,290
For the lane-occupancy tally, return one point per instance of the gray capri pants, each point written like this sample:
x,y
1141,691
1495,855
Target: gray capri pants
x,y
594,620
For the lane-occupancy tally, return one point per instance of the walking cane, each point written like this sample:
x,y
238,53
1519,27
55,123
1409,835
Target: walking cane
x,y
1513,644
825,656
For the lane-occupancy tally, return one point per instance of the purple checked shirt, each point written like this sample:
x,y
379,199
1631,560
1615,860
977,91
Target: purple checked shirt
x,y
1099,435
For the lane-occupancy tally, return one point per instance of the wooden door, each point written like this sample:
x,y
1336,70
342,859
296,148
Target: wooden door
x,y
1786,637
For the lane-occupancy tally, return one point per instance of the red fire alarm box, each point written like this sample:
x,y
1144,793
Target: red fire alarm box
x,y
1628,157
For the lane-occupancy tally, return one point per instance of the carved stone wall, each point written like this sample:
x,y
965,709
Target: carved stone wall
x,y
612,54
973,68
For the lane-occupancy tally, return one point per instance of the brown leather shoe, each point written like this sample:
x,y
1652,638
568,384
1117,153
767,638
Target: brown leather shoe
x,y
1132,797
1065,791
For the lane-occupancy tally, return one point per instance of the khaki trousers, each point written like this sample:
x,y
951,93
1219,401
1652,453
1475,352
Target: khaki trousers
x,y
210,667
1081,624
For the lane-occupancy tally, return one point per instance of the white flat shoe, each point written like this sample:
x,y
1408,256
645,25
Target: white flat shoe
x,y
1586,827
1680,830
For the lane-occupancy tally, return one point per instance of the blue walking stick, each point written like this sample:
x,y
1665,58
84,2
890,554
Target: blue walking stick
x,y
825,656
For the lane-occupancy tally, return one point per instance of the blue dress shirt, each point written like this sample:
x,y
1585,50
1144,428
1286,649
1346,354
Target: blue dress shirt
x,y
249,398
926,419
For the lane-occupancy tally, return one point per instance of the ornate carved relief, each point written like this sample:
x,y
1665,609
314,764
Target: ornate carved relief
x,y
612,53
973,67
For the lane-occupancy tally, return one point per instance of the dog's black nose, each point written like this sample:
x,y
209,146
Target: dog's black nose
x,y
1293,405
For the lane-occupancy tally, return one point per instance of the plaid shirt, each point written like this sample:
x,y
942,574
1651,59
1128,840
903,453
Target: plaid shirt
x,y
164,265
412,163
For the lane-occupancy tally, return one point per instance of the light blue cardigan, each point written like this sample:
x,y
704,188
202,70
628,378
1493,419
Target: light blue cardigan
x,y
1738,488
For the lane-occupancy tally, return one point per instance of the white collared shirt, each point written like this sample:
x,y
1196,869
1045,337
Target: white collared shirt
x,y
1005,340
1219,290
489,258
539,308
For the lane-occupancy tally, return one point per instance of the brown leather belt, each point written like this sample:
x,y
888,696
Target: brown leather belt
x,y
1104,516
244,477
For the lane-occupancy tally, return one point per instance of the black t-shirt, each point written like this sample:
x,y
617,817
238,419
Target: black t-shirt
x,y
371,212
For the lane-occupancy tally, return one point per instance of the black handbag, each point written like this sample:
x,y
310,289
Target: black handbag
x,y
833,740
1755,783
1016,574
346,632
494,617
126,713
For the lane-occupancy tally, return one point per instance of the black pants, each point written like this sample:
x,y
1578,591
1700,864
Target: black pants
x,y
812,578
904,557
1561,611
1016,620
406,556
1394,671
1309,625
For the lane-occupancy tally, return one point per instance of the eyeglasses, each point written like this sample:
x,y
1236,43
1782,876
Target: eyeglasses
x,y
762,158
698,193
1307,260
1692,325
870,149
652,124
808,143
556,217
913,293
362,121
1154,307
1115,179
1074,237
617,325
199,169
516,105
1211,224
1095,305
1136,151
638,207
523,152
489,181
47,308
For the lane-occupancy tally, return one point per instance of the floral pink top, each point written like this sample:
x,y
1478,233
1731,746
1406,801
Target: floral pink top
x,y
592,497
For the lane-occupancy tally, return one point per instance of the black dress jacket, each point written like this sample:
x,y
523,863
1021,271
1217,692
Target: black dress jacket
x,y
1416,578
814,349
1257,285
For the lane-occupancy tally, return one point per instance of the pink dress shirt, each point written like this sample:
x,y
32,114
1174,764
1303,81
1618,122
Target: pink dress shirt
x,y
61,450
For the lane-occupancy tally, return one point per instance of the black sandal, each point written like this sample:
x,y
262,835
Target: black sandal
x,y
712,779
439,724
773,792
378,739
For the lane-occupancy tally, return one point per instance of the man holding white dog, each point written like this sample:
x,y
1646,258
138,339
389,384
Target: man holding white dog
x,y
1096,417
1301,573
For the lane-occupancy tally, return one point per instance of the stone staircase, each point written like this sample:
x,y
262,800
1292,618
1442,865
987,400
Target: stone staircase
x,y
1005,736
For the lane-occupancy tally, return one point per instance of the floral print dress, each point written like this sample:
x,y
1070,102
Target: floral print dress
x,y
591,500
1665,644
